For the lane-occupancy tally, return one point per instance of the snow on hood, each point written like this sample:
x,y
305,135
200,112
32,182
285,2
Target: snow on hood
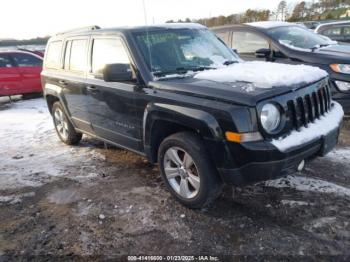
x,y
264,74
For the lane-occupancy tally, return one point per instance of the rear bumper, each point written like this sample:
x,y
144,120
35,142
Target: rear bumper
x,y
276,163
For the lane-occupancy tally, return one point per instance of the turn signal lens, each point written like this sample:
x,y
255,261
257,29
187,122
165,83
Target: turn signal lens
x,y
243,137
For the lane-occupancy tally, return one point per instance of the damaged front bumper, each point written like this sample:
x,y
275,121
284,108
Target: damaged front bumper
x,y
269,160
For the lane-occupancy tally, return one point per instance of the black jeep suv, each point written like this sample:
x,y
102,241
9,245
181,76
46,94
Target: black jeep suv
x,y
179,96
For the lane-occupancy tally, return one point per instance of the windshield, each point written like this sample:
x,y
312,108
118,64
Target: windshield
x,y
298,37
177,51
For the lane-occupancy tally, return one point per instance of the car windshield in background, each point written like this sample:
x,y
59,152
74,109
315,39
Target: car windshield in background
x,y
178,51
298,37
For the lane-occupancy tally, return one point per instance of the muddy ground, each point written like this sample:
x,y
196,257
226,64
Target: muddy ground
x,y
97,201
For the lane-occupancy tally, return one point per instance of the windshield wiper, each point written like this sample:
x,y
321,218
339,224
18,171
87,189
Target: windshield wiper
x,y
182,70
229,62
318,47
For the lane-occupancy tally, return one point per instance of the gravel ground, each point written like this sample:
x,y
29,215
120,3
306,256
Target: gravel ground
x,y
96,201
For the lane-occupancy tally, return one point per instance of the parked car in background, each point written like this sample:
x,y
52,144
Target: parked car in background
x,y
20,73
177,95
289,43
338,31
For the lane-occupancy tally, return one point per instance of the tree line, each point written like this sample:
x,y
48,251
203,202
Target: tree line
x,y
285,11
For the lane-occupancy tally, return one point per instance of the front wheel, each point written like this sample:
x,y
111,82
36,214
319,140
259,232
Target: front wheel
x,y
63,126
188,171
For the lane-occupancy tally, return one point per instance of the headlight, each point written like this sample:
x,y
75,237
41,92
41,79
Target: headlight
x,y
270,117
341,68
343,86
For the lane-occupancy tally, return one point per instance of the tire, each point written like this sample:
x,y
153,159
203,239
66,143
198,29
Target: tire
x,y
203,182
63,126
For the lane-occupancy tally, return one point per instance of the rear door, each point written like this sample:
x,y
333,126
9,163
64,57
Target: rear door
x,y
30,67
10,77
73,81
247,43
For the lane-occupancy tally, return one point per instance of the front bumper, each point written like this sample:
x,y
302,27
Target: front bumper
x,y
276,163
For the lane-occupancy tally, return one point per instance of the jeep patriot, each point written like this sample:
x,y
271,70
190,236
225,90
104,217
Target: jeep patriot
x,y
179,96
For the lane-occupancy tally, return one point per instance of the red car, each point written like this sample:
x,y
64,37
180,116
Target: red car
x,y
20,72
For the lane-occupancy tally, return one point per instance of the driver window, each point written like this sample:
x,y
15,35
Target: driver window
x,y
247,43
108,51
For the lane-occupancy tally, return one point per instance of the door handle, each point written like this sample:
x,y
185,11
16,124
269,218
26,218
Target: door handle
x,y
62,82
92,89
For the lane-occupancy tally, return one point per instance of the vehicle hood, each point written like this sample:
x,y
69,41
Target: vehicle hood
x,y
243,83
337,52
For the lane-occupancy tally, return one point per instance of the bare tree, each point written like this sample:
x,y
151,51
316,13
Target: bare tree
x,y
281,10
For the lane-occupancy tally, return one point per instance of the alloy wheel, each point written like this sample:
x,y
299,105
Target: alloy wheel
x,y
181,172
61,123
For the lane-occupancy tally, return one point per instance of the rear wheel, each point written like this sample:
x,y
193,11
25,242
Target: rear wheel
x,y
188,171
64,128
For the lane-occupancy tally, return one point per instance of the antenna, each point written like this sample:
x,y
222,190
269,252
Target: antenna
x,y
147,33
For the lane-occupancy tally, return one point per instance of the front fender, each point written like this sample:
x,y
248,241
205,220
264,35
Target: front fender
x,y
203,122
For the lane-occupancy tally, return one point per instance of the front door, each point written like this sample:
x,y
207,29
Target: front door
x,y
30,67
112,107
247,43
10,77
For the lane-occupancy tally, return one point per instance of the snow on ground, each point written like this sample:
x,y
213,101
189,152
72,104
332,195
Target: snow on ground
x,y
264,74
315,130
309,184
341,155
26,126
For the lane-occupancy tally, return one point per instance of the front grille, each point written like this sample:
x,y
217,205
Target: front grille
x,y
304,109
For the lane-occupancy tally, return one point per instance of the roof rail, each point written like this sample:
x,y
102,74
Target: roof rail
x,y
80,29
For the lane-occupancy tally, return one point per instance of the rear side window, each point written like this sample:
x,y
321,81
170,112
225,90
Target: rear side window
x,y
246,42
108,51
26,60
78,55
5,61
53,56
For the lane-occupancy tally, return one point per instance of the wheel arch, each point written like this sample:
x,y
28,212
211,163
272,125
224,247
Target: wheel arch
x,y
163,120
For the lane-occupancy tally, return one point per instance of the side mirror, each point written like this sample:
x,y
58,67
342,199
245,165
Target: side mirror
x,y
117,73
262,53
235,50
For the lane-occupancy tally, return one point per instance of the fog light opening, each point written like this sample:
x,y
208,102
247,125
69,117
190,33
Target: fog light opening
x,y
301,165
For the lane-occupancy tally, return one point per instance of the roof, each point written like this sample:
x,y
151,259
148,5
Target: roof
x,y
96,29
269,24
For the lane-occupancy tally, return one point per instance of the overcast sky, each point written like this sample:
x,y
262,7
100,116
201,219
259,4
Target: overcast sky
x,y
31,18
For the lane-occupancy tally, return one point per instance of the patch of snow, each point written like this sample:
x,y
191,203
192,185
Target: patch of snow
x,y
341,155
32,154
188,74
264,74
309,184
286,43
270,24
289,45
101,216
315,130
15,199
